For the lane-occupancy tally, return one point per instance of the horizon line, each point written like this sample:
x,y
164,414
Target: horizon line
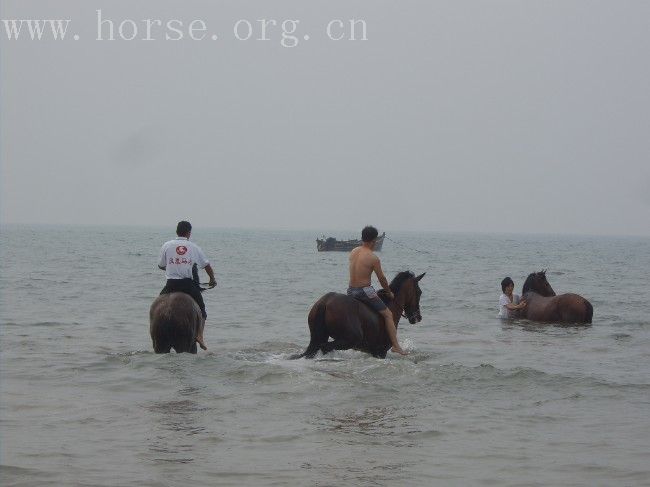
x,y
320,231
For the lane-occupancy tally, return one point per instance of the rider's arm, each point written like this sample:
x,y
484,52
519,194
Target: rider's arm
x,y
380,274
203,263
162,259
513,307
208,269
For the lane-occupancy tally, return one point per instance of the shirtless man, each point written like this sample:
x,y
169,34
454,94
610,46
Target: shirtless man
x,y
363,262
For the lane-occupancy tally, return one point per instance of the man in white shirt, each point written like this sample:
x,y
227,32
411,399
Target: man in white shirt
x,y
177,258
508,302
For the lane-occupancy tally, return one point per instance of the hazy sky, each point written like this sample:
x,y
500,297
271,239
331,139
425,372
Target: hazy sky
x,y
499,116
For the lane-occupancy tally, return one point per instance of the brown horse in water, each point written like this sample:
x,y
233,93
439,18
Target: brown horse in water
x,y
544,305
175,320
353,324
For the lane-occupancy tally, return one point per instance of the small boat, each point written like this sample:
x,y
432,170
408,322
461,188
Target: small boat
x,y
329,244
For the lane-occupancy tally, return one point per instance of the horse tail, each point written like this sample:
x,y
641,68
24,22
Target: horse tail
x,y
162,334
589,313
317,329
168,332
172,325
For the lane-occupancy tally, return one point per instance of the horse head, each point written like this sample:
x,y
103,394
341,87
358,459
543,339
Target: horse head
x,y
406,285
412,303
538,283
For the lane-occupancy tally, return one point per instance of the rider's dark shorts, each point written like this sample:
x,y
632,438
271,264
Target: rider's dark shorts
x,y
368,295
187,286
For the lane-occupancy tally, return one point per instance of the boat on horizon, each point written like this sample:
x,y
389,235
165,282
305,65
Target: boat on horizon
x,y
332,244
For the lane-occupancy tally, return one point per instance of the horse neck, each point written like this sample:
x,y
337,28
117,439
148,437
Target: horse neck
x,y
528,295
530,287
527,287
396,306
532,291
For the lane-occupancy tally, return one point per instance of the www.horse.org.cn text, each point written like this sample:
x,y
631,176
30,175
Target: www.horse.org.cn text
x,y
285,32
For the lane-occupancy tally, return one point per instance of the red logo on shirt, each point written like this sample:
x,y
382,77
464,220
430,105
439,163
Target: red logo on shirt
x,y
181,250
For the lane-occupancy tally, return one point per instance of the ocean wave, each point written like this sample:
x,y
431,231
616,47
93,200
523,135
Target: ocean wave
x,y
41,323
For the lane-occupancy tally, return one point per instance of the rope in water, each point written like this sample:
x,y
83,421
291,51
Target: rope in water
x,y
408,247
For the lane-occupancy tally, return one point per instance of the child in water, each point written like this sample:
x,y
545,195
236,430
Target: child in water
x,y
508,302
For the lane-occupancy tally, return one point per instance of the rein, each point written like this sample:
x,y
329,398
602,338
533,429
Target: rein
x,y
412,315
206,288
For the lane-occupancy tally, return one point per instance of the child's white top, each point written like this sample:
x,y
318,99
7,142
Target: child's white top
x,y
505,300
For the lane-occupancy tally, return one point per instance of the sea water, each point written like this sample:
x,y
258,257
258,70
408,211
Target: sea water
x,y
479,401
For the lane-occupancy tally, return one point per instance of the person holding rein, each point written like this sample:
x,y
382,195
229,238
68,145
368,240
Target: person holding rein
x,y
363,262
508,302
177,258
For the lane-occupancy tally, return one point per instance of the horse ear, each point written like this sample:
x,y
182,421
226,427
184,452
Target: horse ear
x,y
420,276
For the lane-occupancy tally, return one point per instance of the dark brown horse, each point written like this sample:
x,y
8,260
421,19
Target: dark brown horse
x,y
174,322
544,305
353,324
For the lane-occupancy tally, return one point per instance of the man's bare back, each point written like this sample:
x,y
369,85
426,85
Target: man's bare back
x,y
362,263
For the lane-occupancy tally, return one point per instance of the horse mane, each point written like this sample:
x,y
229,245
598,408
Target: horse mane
x,y
528,285
399,280
395,285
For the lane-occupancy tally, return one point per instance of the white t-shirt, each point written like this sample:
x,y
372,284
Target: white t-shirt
x,y
178,256
505,300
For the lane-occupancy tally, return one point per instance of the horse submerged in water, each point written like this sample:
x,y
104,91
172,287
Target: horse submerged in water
x,y
354,325
545,306
175,321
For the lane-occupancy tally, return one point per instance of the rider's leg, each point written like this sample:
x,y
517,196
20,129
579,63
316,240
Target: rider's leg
x,y
168,287
199,339
392,331
193,290
199,335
